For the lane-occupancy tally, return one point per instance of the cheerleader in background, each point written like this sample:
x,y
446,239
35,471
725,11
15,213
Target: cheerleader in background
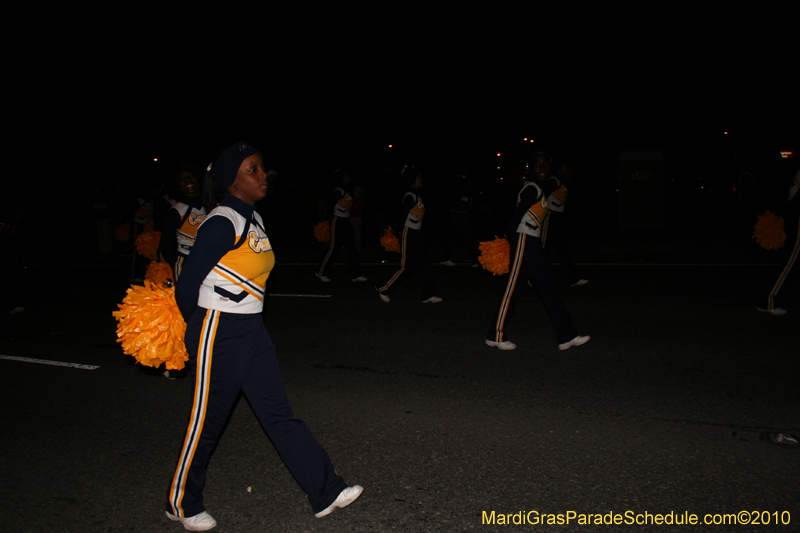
x,y
342,234
181,222
529,262
413,244
792,216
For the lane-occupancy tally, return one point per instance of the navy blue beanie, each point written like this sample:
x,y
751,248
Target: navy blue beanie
x,y
227,166
533,156
409,174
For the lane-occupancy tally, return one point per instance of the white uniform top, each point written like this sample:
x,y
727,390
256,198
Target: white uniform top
x,y
342,207
417,212
532,220
237,283
188,230
558,198
144,213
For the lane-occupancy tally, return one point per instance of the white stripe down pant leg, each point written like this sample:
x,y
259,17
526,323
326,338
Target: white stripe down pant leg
x,y
786,269
231,353
529,262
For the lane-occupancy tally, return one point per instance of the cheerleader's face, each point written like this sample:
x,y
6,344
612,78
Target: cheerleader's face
x,y
541,167
187,182
250,185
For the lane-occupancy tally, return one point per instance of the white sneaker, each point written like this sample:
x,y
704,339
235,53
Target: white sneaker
x,y
384,297
505,345
448,263
577,341
359,278
432,300
778,311
345,498
198,522
783,438
580,282
326,279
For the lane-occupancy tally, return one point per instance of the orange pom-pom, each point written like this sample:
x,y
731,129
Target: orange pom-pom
x,y
322,231
769,232
150,326
159,273
495,256
123,232
147,244
389,241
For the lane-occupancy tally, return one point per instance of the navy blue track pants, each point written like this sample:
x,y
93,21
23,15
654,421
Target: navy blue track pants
x,y
529,262
232,353
792,258
413,251
342,236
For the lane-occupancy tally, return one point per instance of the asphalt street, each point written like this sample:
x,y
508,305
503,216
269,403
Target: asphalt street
x,y
663,411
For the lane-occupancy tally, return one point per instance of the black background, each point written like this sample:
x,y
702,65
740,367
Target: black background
x,y
316,87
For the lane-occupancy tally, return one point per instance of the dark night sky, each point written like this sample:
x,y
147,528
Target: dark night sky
x,y
106,91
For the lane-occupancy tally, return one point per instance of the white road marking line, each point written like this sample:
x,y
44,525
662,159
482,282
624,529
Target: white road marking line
x,y
46,362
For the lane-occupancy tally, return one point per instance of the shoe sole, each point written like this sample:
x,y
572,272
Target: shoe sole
x,y
499,346
341,505
573,342
774,312
190,528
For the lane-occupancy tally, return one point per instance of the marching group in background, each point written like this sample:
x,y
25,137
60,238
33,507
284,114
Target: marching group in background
x,y
219,255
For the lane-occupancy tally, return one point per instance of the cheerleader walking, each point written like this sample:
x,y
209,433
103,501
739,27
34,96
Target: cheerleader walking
x,y
220,294
342,234
529,263
413,247
793,212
